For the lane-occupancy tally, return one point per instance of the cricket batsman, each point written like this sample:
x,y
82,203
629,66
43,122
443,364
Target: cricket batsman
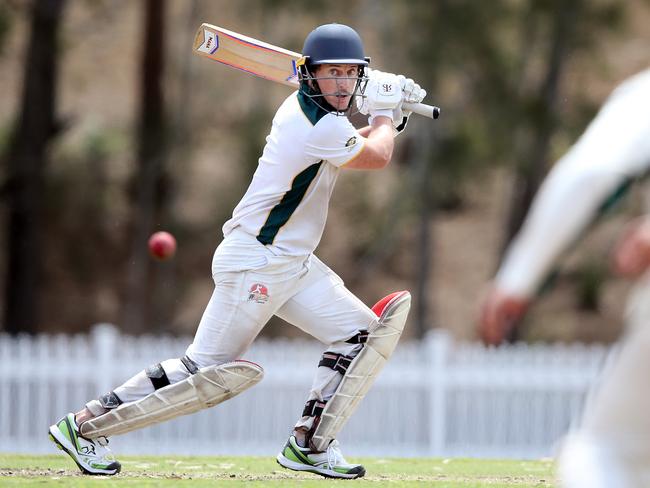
x,y
612,446
266,266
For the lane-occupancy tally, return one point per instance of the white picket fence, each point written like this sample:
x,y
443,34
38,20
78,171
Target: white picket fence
x,y
435,397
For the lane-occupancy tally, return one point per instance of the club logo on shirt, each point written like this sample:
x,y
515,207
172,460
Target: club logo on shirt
x,y
258,293
351,141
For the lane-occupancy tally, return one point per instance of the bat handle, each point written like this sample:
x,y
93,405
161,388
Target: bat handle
x,y
430,111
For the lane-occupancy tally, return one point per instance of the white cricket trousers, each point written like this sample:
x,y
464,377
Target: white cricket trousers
x,y
251,285
612,446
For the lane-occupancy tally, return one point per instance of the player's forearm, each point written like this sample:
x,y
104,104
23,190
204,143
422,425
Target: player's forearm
x,y
378,146
567,202
381,136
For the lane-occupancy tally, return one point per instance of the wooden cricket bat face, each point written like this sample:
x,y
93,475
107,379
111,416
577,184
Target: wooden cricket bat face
x,y
247,54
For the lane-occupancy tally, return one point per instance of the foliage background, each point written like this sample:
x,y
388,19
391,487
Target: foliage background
x,y
517,81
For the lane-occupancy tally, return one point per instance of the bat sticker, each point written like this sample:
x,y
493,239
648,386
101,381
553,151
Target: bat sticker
x,y
210,43
294,76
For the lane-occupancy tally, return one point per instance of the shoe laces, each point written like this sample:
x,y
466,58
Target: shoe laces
x,y
107,455
334,455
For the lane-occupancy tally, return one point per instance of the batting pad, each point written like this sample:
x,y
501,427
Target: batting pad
x,y
362,372
208,387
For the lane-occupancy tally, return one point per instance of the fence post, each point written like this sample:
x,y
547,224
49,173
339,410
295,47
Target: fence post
x,y
437,344
105,338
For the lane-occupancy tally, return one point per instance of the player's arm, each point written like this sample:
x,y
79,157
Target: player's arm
x,y
607,156
567,202
377,146
382,97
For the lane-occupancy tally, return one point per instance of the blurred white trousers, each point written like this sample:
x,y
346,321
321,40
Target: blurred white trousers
x,y
251,285
612,446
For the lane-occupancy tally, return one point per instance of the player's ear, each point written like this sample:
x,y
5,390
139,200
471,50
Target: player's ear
x,y
314,73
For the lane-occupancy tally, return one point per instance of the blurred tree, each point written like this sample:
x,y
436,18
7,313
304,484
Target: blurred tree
x,y
25,159
532,160
150,183
5,25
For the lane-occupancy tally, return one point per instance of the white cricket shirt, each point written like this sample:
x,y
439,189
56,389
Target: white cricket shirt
x,y
285,206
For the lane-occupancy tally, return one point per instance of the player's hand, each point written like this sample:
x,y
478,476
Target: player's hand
x,y
499,314
631,256
383,94
411,93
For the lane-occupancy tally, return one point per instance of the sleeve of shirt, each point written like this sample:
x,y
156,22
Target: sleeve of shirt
x,y
614,150
334,139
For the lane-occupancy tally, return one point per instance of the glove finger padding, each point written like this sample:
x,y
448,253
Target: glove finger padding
x,y
382,94
407,88
411,93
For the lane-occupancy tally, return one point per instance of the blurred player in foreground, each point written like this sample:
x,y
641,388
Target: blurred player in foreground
x,y
265,266
612,446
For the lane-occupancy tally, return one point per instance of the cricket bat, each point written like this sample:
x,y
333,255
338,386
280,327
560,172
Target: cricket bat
x,y
264,60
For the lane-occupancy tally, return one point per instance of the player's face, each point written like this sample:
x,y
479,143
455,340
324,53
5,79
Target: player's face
x,y
337,83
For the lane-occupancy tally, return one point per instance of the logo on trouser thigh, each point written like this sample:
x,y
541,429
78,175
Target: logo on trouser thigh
x,y
258,293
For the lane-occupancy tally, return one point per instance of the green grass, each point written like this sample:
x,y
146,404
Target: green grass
x,y
169,471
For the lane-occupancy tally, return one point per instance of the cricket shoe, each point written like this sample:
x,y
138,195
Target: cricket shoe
x,y
329,463
92,456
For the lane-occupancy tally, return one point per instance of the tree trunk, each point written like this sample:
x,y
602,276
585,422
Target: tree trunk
x,y
529,176
426,213
149,178
26,159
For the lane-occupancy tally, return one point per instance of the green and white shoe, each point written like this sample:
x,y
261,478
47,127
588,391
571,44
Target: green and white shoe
x,y
92,456
330,463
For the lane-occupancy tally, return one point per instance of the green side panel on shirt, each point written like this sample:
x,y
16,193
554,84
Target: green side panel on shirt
x,y
311,109
281,213
616,197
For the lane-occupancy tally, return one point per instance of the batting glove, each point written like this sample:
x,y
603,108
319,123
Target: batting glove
x,y
383,94
411,93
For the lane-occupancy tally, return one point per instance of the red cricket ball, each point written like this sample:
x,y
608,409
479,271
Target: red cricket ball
x,y
162,245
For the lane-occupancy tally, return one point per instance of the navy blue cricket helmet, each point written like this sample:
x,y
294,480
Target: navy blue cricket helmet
x,y
334,44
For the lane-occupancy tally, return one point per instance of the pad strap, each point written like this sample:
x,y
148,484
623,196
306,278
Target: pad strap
x,y
360,338
157,375
313,408
110,400
337,362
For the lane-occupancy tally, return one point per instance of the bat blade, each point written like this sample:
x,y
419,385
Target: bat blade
x,y
262,59
247,54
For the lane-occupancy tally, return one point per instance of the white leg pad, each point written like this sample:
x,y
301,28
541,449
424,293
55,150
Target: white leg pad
x,y
363,370
208,387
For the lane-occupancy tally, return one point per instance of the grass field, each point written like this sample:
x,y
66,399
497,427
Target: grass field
x,y
168,471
